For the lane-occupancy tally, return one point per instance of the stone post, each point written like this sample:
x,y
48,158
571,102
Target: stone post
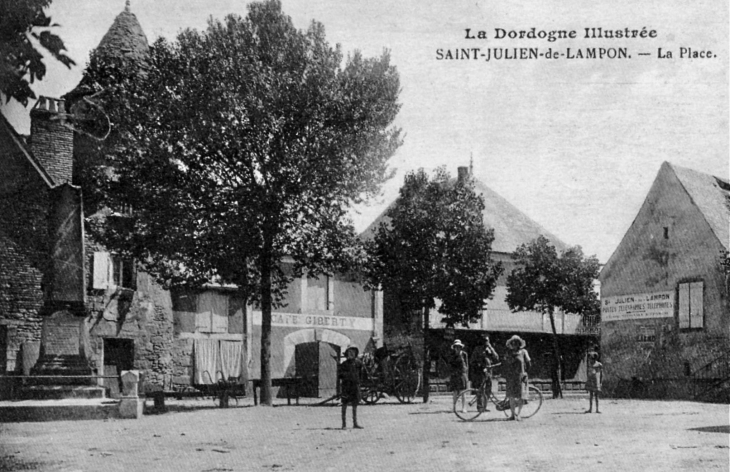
x,y
130,405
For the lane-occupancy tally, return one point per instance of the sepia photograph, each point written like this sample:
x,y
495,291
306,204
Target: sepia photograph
x,y
318,235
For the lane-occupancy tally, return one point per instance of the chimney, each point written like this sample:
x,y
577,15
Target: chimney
x,y
51,141
463,173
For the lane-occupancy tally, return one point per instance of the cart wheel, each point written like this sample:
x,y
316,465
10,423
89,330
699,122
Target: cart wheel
x,y
370,396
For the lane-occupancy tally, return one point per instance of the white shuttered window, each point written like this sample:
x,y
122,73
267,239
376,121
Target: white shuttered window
x,y
691,308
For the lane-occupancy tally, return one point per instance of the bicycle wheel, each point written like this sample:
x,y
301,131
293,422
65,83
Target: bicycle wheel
x,y
532,403
467,404
499,398
407,380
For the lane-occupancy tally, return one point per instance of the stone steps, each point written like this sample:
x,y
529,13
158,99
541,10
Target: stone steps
x,y
59,392
58,410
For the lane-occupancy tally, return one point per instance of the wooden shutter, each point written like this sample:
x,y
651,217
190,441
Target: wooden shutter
x,y
696,313
684,307
214,307
102,270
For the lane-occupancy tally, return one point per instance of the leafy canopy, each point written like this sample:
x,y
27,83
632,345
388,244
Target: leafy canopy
x,y
240,145
544,281
23,25
433,245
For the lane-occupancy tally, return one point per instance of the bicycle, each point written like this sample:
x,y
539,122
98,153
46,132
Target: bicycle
x,y
472,408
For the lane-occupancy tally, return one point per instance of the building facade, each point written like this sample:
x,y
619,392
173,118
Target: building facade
x,y
218,334
664,307
512,228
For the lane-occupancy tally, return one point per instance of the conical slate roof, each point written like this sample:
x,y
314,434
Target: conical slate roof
x,y
512,228
125,38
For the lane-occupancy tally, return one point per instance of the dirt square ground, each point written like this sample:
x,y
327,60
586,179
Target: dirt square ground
x,y
195,436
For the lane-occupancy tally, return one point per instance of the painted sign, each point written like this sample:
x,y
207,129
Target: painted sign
x,y
638,306
303,320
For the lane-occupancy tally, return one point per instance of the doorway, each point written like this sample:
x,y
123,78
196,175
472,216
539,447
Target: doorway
x,y
118,356
316,362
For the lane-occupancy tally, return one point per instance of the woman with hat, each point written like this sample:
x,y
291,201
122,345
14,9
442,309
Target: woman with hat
x,y
516,364
459,371
349,373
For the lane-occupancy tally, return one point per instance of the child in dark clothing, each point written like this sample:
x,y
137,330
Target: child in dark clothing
x,y
348,377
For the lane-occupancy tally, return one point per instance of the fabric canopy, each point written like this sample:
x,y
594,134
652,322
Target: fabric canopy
x,y
216,360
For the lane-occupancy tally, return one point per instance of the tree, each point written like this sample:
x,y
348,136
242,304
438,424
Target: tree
x,y
434,246
241,145
20,61
544,282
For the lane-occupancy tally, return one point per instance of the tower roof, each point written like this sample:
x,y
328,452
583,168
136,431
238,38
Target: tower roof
x,y
125,38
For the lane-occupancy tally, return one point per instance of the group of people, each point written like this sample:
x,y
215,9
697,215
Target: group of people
x,y
515,365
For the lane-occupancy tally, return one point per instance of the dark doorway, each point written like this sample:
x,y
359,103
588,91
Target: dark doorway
x,y
316,363
118,356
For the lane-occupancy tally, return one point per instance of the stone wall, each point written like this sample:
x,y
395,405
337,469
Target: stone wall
x,y
143,315
23,258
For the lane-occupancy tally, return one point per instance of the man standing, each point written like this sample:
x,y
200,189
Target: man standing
x,y
481,362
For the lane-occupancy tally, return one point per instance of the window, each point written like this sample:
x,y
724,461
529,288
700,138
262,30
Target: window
x,y
691,311
212,313
113,271
318,293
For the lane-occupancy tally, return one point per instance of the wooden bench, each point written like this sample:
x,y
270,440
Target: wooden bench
x,y
287,382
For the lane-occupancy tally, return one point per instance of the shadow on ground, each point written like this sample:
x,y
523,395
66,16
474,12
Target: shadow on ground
x,y
725,428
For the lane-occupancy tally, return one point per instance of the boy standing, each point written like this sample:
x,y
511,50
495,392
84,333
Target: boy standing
x,y
348,377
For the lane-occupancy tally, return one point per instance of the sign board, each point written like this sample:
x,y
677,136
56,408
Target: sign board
x,y
638,306
303,320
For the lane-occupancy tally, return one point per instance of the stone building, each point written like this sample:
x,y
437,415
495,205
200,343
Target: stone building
x,y
68,307
218,335
512,228
664,308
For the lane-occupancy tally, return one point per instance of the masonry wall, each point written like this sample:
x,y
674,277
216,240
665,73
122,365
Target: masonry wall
x,y
647,261
185,310
24,203
143,315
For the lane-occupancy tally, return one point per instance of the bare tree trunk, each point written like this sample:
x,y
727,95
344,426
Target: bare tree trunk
x,y
266,397
426,363
557,389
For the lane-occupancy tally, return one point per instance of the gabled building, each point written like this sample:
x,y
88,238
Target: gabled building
x,y
664,294
512,228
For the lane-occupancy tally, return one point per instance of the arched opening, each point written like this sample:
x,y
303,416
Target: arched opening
x,y
314,355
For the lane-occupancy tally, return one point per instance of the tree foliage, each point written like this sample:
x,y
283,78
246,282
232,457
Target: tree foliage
x,y
433,246
544,281
433,249
23,24
240,145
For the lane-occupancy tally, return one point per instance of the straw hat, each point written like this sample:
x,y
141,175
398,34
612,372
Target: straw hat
x,y
457,343
516,339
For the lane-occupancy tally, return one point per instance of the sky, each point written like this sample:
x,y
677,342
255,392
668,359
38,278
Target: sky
x,y
573,143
